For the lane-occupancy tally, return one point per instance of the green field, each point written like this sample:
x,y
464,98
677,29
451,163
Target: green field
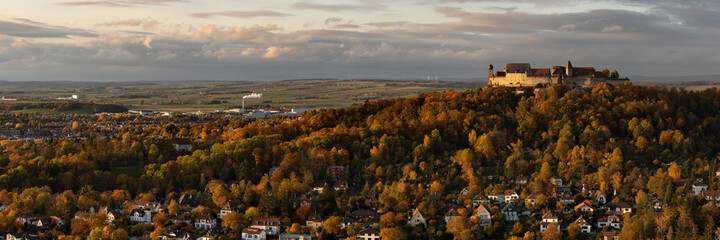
x,y
50,111
219,95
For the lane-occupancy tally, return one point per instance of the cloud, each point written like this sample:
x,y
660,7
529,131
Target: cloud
x,y
19,27
367,6
388,24
133,22
241,14
119,3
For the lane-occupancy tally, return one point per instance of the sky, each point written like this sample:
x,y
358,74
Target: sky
x,y
140,40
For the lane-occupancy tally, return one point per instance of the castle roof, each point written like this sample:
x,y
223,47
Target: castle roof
x,y
517,67
541,72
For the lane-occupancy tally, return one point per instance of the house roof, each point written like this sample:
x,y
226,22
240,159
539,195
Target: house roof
x,y
534,196
712,193
369,231
252,230
509,208
582,204
549,215
581,221
618,205
480,208
510,192
480,197
272,221
452,213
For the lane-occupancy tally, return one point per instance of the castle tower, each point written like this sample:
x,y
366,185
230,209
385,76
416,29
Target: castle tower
x,y
568,69
491,75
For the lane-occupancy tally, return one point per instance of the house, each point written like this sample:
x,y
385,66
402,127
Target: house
x,y
511,196
417,219
180,219
226,209
270,225
612,221
205,222
188,199
290,236
27,218
336,173
452,214
712,195
302,201
657,204
511,214
114,215
182,145
612,235
598,198
371,202
567,199
364,214
584,206
548,218
584,225
253,234
318,186
210,235
174,235
484,215
497,198
314,222
464,192
532,199
368,234
479,199
521,180
699,187
346,222
557,181
618,207
48,222
141,215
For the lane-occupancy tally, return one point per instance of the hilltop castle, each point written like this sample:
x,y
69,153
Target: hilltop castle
x,y
522,75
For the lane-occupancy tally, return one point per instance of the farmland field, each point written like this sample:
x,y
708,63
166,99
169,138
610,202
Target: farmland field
x,y
219,95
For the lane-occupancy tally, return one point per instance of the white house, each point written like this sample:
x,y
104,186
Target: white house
x,y
368,234
557,181
547,219
141,216
598,198
225,210
253,234
269,225
511,195
205,222
612,220
417,219
698,188
585,227
484,215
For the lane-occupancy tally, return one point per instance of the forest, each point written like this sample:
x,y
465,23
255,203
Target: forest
x,y
636,144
